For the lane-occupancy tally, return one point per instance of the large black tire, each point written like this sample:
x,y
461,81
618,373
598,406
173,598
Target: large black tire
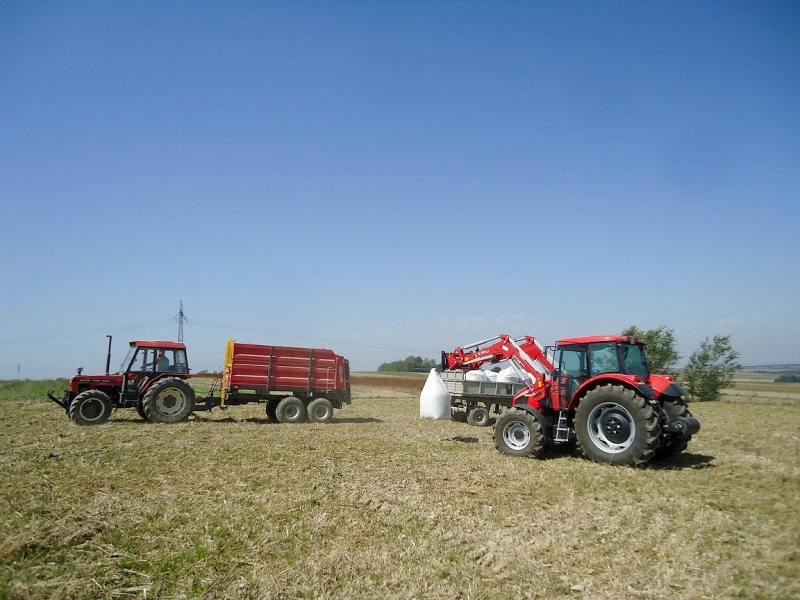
x,y
140,410
272,404
290,410
91,407
672,445
168,401
478,416
320,410
518,433
614,424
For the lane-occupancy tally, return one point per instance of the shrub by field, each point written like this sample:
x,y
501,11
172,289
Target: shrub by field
x,y
379,504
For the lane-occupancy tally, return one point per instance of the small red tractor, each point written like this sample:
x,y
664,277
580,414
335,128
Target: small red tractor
x,y
296,384
152,379
596,391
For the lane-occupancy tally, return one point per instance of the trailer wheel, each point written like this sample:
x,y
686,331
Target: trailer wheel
x,y
671,445
478,416
320,410
518,433
168,401
458,415
290,410
91,407
614,424
272,404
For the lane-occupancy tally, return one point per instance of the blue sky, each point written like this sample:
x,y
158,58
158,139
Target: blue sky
x,y
386,179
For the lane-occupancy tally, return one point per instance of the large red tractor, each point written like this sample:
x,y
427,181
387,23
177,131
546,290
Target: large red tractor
x,y
596,391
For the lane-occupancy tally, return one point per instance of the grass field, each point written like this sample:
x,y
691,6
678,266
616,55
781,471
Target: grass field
x,y
379,503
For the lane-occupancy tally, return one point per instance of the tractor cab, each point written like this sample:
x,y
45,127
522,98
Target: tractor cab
x,y
155,357
147,362
577,360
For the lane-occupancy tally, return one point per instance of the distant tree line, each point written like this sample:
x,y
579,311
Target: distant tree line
x,y
409,365
788,379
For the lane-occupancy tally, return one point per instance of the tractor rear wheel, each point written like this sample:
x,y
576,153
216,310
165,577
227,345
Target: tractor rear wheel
x,y
290,410
168,401
671,445
320,410
518,433
614,424
91,407
478,416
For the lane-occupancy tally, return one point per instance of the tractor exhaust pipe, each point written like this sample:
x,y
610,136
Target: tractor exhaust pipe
x,y
108,356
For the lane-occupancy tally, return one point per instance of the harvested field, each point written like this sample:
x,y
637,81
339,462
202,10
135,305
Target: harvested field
x,y
381,504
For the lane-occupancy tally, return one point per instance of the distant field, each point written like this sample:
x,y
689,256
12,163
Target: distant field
x,y
379,503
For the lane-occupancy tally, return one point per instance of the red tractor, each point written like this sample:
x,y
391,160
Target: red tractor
x,y
596,391
152,379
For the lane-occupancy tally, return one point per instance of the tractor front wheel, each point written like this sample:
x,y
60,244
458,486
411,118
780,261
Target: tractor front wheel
x,y
91,407
168,401
614,424
518,433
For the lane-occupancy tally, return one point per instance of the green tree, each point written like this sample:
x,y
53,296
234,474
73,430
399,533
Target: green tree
x,y
661,353
711,368
409,364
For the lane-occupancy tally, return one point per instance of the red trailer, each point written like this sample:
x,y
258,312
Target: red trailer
x,y
294,382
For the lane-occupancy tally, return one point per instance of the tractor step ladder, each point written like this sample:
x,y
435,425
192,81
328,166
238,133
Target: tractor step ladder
x,y
562,429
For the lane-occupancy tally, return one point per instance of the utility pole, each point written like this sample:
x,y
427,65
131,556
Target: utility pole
x,y
18,369
180,318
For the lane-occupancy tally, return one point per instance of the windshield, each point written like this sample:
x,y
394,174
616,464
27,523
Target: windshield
x,y
633,359
127,361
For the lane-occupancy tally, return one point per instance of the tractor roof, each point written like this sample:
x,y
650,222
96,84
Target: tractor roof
x,y
159,344
592,339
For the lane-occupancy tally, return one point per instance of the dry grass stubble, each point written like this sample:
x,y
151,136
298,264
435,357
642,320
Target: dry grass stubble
x,y
380,503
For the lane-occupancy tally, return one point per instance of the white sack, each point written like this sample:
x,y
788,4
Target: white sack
x,y
491,376
434,400
508,375
476,375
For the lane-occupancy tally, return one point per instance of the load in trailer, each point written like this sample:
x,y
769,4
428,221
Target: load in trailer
x,y
596,391
296,384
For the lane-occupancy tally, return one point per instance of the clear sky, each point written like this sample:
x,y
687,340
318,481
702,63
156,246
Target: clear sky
x,y
395,178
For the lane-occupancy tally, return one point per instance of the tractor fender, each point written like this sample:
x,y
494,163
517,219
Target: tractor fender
x,y
665,386
629,381
544,421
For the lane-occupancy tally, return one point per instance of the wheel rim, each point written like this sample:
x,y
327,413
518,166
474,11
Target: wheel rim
x,y
92,409
292,412
516,435
171,401
611,427
480,417
320,413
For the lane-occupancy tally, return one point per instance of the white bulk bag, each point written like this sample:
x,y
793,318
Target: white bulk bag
x,y
509,375
434,400
476,375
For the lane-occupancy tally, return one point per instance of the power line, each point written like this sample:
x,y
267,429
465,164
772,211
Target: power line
x,y
83,332
320,338
180,318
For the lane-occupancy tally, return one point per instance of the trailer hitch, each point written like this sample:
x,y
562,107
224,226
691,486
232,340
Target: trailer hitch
x,y
683,426
62,403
